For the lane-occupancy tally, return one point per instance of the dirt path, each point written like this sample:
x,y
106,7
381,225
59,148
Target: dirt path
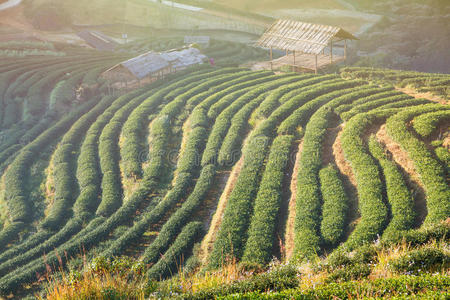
x,y
349,182
409,171
286,195
290,223
330,138
208,241
428,96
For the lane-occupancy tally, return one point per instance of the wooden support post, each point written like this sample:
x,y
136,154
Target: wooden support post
x,y
294,57
345,49
271,54
331,52
287,52
316,64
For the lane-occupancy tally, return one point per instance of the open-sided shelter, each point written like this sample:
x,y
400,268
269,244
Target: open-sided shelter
x,y
311,45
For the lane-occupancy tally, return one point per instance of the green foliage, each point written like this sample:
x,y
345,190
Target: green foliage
x,y
73,226
64,165
335,205
427,123
402,287
398,194
17,174
426,259
177,220
172,259
381,93
423,82
134,130
370,190
235,101
431,173
278,278
318,97
232,234
109,154
261,233
365,107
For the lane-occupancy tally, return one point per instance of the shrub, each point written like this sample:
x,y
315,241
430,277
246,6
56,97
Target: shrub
x,y
261,233
64,164
431,173
176,221
417,261
109,154
372,207
427,123
365,107
399,197
173,258
335,205
232,234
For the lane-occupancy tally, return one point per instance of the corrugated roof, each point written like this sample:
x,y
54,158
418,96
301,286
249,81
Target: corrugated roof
x,y
145,64
184,58
152,62
300,36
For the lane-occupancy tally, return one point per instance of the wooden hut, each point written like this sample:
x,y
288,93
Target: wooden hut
x,y
151,66
308,47
144,68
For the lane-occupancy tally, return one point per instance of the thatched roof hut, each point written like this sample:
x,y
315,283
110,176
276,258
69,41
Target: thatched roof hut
x,y
306,41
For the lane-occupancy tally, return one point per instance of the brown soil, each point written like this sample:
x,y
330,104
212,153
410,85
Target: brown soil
x,y
446,142
49,186
290,223
330,138
349,182
415,94
407,167
208,241
286,194
343,165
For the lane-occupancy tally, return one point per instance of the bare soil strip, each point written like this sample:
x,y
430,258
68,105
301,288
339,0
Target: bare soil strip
x,y
406,165
208,241
330,138
286,195
416,94
290,224
349,181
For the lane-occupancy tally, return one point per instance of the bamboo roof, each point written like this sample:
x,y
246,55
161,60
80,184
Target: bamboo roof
x,y
299,36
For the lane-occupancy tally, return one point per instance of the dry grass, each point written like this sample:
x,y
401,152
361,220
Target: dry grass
x,y
127,282
341,162
430,96
4,212
290,234
402,159
208,241
227,274
49,186
129,184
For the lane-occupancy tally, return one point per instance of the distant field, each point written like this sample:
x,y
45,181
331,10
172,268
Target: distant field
x,y
257,5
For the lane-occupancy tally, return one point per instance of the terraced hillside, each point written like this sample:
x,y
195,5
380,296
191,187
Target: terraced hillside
x,y
211,164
